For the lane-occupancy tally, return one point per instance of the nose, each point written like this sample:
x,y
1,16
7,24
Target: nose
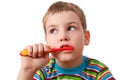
x,y
64,37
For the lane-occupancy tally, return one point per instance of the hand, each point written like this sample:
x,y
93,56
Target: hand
x,y
37,57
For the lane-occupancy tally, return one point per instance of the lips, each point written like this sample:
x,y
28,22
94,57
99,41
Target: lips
x,y
63,46
67,47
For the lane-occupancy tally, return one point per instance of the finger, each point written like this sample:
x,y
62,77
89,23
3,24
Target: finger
x,y
40,50
35,50
30,50
51,56
46,48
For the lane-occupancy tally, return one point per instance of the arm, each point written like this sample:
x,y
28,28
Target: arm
x,y
25,74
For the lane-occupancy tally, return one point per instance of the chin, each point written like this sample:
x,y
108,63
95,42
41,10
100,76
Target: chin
x,y
65,59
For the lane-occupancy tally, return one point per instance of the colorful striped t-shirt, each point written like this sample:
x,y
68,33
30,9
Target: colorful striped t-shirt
x,y
89,69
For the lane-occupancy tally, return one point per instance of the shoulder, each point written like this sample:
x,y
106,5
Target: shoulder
x,y
95,65
98,69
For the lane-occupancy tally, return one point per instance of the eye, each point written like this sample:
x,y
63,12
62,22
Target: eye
x,y
70,28
53,31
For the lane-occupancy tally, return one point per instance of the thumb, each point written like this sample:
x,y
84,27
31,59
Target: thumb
x,y
51,56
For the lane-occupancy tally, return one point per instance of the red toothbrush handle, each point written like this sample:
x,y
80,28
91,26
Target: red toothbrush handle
x,y
61,49
25,52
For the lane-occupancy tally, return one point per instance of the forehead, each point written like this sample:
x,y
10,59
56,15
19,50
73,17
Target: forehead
x,y
62,18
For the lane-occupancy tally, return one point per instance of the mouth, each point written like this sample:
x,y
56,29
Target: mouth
x,y
66,47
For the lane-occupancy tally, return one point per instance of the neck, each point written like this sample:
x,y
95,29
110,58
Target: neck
x,y
70,64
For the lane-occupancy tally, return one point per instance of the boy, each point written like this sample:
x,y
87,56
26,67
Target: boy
x,y
64,25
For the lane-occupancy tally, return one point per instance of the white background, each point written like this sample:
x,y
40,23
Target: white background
x,y
21,24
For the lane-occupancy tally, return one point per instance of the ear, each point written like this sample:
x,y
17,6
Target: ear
x,y
87,38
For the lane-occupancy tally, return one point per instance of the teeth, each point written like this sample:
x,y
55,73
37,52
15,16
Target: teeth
x,y
64,46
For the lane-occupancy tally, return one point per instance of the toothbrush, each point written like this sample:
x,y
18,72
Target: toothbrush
x,y
25,52
61,49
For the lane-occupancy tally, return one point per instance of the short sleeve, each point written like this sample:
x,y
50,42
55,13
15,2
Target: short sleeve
x,y
105,74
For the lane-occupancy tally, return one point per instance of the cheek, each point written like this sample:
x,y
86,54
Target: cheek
x,y
78,40
51,40
78,37
79,45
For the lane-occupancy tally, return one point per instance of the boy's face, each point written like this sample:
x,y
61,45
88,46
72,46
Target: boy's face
x,y
63,29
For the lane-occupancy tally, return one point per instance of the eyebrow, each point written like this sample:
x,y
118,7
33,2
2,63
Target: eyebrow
x,y
72,22
47,27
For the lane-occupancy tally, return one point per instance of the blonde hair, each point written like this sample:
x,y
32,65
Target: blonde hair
x,y
65,6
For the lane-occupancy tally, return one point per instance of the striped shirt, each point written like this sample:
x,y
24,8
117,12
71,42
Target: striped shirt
x,y
89,69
